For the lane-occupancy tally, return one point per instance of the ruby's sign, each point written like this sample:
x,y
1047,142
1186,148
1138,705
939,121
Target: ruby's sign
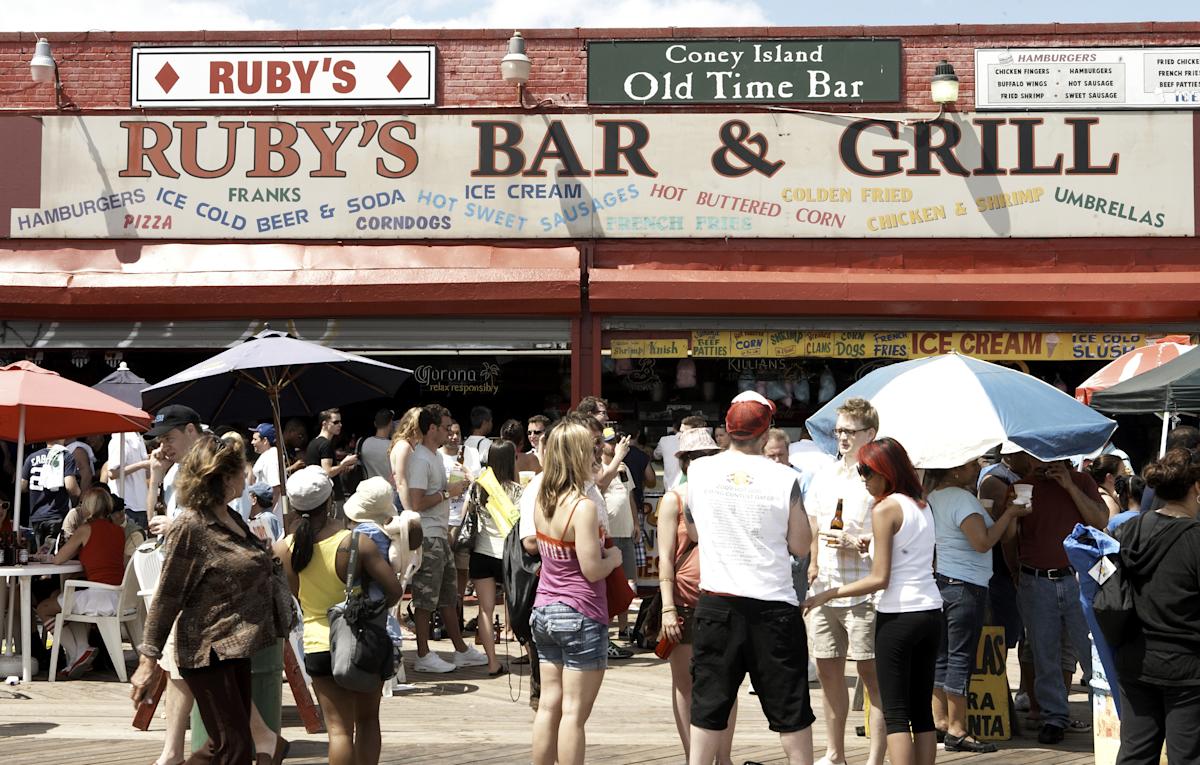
x,y
284,75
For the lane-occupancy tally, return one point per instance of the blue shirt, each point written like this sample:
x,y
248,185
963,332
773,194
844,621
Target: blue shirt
x,y
384,543
956,558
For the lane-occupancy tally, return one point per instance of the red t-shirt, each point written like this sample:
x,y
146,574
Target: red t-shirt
x,y
1053,518
103,555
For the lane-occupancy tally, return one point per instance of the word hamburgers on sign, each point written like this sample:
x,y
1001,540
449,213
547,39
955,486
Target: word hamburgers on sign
x,y
295,75
685,72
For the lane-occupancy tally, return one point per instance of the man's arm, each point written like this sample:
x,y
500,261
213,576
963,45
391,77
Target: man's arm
x,y
799,532
1092,508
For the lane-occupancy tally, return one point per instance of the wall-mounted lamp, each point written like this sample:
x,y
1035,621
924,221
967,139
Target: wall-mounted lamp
x,y
943,89
515,66
43,68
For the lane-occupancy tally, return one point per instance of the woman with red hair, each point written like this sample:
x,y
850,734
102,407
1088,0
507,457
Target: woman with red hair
x,y
909,611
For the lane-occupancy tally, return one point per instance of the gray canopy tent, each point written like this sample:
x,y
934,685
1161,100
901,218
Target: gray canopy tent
x,y
1170,389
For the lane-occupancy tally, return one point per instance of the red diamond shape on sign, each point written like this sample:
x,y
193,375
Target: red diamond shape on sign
x,y
399,76
166,78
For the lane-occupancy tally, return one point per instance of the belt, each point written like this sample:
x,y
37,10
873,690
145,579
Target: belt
x,y
1048,573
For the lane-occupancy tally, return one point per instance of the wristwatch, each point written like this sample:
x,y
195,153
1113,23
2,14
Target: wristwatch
x,y
445,494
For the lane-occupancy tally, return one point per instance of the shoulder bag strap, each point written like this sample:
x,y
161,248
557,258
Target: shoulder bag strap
x,y
352,564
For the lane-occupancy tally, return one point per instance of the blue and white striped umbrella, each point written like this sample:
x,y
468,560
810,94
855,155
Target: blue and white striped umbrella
x,y
946,410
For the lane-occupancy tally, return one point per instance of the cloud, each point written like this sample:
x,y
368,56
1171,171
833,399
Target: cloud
x,y
522,14
123,15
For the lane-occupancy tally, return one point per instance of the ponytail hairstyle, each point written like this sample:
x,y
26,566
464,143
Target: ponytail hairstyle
x,y
406,429
1173,475
888,458
305,531
204,470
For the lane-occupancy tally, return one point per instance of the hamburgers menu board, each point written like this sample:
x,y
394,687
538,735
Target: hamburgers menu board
x,y
1083,78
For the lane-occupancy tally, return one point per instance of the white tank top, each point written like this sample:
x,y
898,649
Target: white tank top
x,y
912,586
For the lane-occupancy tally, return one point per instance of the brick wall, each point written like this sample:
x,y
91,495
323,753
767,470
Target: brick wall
x,y
95,66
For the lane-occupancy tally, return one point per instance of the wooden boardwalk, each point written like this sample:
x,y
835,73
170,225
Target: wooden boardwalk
x,y
458,719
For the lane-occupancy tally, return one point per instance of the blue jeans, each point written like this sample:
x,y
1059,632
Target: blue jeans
x,y
1050,609
963,607
568,638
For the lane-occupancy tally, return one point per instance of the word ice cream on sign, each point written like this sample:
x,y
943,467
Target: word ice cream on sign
x,y
596,175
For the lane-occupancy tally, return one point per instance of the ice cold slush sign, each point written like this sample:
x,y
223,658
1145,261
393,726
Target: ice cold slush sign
x,y
611,175
686,72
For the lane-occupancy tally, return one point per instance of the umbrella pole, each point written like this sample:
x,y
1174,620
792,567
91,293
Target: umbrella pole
x,y
121,469
1162,442
20,466
280,446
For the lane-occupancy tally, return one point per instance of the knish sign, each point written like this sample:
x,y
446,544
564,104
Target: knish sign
x,y
497,176
686,72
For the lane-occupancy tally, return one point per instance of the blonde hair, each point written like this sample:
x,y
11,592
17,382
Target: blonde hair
x,y
235,439
567,466
204,470
407,429
96,502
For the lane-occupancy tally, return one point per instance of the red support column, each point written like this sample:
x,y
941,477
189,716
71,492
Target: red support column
x,y
585,337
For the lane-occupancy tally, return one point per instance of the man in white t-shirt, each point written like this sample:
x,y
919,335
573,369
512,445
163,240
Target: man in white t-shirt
x,y
668,445
747,516
266,468
844,628
434,584
134,490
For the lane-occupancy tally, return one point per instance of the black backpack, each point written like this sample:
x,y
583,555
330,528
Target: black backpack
x,y
520,584
1113,605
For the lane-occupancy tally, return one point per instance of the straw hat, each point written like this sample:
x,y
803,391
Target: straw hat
x,y
696,440
372,502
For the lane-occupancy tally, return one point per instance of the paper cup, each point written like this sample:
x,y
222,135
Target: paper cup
x,y
1024,493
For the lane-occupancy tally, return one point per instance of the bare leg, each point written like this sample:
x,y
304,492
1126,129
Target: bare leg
x,y
940,712
704,745
725,754
866,670
956,718
265,739
549,715
178,698
798,746
367,742
485,590
579,694
421,619
453,628
832,673
681,692
337,707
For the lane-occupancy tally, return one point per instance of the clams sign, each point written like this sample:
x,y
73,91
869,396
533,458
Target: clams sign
x,y
607,175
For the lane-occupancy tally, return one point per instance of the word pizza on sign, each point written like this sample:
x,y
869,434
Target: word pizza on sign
x,y
584,176
296,75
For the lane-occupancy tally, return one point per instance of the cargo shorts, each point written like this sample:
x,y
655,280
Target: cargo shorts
x,y
435,585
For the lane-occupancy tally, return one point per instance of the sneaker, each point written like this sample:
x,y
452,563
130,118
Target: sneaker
x,y
967,744
431,662
1050,734
826,761
82,664
469,658
1079,726
617,652
1021,701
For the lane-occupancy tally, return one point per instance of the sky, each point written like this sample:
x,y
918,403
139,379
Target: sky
x,y
123,15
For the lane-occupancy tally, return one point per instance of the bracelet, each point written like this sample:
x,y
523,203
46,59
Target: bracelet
x,y
668,610
667,579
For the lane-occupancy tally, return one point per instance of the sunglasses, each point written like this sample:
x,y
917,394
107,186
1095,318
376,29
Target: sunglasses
x,y
865,472
335,422
534,432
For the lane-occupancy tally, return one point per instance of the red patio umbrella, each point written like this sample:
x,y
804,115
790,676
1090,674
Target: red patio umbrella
x,y
39,405
1132,364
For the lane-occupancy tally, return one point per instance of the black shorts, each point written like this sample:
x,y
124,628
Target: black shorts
x,y
736,636
318,664
486,567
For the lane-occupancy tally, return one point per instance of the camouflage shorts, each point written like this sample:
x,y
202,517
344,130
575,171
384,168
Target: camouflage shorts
x,y
435,585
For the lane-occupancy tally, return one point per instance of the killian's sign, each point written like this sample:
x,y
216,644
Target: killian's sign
x,y
597,175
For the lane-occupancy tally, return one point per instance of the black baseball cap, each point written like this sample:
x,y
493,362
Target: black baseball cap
x,y
171,417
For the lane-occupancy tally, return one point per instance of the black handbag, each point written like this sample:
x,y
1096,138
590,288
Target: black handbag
x,y
469,530
360,650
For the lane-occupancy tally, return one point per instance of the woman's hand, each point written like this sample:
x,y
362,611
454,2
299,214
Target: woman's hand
x,y
144,678
816,601
672,626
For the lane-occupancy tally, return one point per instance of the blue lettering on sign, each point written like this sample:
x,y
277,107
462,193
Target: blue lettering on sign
x,y
580,210
747,344
98,204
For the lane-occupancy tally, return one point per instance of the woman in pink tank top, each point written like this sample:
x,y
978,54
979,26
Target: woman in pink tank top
x,y
570,611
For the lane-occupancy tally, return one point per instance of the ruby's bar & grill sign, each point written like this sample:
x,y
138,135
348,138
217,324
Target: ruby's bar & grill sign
x,y
607,175
686,72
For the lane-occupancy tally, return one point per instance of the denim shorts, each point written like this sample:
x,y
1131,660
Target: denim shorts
x,y
963,606
565,637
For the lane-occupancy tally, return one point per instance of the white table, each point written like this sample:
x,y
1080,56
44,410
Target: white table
x,y
22,577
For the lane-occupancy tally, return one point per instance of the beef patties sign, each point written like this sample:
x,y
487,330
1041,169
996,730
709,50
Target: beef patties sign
x,y
685,72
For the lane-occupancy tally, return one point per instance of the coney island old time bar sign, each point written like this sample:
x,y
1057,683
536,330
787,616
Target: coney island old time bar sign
x,y
684,72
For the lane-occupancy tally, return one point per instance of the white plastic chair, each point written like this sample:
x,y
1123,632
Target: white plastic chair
x,y
128,614
147,564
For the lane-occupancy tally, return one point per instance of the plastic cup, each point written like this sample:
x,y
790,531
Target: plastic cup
x,y
525,476
1024,493
987,503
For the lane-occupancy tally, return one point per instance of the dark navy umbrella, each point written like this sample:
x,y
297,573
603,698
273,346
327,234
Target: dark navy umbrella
x,y
275,372
123,385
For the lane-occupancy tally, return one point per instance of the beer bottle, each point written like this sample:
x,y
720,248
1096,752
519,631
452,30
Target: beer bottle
x,y
837,524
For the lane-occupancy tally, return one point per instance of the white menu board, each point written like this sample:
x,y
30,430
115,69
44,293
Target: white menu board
x,y
1087,78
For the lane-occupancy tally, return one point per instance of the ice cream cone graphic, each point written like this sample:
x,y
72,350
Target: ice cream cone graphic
x,y
1052,341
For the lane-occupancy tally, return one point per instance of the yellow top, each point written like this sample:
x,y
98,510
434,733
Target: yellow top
x,y
320,588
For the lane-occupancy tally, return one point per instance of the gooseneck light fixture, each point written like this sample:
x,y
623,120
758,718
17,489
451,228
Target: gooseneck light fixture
x,y
515,66
43,68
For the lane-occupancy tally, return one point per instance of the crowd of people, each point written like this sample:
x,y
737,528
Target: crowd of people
x,y
775,560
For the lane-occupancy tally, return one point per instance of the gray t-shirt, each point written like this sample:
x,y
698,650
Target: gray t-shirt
x,y
425,471
374,457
